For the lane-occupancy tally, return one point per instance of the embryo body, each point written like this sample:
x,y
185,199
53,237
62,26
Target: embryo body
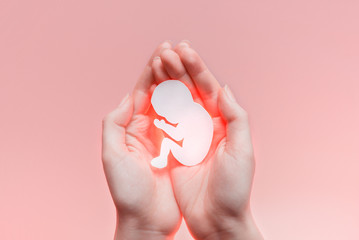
x,y
194,126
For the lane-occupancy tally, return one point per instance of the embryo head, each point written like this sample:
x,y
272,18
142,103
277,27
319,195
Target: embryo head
x,y
170,98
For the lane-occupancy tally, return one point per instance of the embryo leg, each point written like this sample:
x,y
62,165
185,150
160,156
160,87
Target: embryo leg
x,y
167,145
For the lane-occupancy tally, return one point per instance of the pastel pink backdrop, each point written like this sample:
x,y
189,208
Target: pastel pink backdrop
x,y
293,65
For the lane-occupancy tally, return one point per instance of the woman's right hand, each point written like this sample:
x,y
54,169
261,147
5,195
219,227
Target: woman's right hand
x,y
144,199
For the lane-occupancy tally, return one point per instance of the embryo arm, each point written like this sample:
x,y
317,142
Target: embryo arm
x,y
173,132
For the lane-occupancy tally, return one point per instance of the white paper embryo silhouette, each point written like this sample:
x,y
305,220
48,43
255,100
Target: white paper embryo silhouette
x,y
189,127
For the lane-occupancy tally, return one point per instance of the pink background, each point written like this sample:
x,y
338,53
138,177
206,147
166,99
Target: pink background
x,y
293,65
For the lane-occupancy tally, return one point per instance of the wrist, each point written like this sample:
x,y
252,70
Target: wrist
x,y
132,229
240,229
248,230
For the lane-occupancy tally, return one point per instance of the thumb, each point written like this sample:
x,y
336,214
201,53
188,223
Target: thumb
x,y
114,126
238,139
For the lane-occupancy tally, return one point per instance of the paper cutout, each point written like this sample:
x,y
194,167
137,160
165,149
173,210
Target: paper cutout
x,y
172,100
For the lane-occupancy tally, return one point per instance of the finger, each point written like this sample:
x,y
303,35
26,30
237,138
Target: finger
x,y
183,43
145,81
158,70
204,80
176,70
173,65
238,139
114,126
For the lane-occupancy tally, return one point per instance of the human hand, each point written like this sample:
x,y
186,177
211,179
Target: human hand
x,y
144,199
214,197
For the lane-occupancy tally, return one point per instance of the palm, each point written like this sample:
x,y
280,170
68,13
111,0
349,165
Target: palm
x,y
142,195
146,192
213,187
219,187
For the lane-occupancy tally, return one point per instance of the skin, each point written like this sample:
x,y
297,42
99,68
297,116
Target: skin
x,y
144,199
214,196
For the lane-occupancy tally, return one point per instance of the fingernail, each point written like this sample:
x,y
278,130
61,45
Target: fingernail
x,y
184,43
167,44
164,49
156,58
124,100
229,93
